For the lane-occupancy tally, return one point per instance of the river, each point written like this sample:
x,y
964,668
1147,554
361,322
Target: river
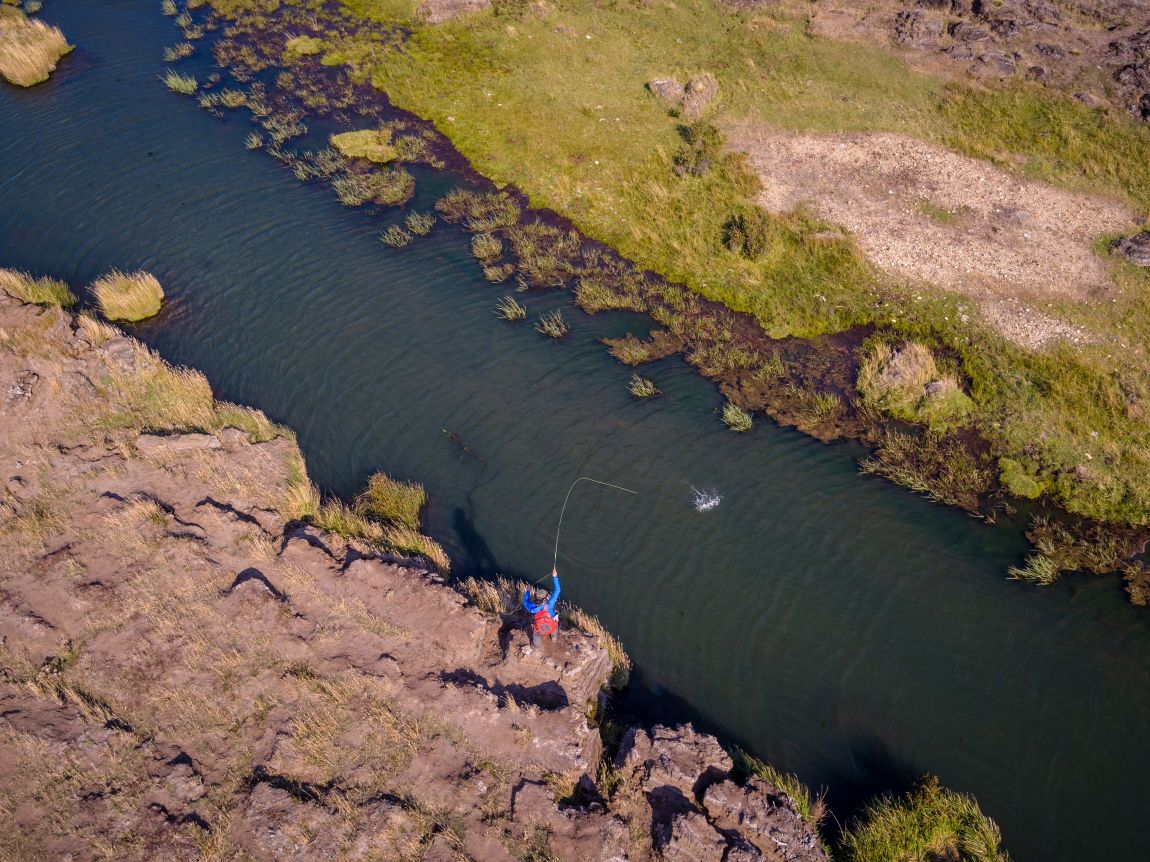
x,y
831,623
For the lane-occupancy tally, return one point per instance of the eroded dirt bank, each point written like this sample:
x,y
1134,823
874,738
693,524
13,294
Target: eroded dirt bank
x,y
189,672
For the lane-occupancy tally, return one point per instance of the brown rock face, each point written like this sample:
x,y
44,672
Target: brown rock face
x,y
187,667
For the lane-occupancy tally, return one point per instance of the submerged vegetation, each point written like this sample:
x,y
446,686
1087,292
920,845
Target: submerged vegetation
x,y
128,296
29,49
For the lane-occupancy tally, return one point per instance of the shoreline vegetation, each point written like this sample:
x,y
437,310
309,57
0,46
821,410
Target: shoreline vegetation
x,y
154,417
29,48
781,310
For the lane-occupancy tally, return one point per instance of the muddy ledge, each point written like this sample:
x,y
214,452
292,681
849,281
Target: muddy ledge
x,y
186,666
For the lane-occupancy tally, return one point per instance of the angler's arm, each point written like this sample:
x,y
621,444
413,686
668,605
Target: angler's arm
x,y
551,602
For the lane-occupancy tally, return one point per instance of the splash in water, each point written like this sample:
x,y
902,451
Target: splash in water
x,y
705,501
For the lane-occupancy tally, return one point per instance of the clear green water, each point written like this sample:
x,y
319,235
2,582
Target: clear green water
x,y
832,623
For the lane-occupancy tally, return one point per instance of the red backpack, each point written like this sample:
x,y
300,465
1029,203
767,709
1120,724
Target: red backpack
x,y
545,624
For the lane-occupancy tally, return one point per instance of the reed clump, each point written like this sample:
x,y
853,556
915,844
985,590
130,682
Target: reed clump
x,y
420,224
736,418
391,501
486,246
509,308
642,387
254,141
553,325
498,272
185,85
128,296
387,188
179,52
905,381
29,49
396,237
479,212
39,291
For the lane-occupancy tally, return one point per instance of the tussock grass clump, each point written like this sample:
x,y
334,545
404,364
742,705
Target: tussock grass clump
x,y
387,188
509,308
185,85
391,501
479,212
500,596
178,52
642,387
374,145
810,807
736,418
254,141
128,296
486,246
499,272
420,224
304,46
749,233
396,237
168,7
941,469
548,255
1037,569
552,324
40,291
29,49
906,383
630,350
931,823
336,517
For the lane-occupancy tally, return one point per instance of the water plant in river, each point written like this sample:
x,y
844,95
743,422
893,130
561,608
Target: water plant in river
x,y
178,52
29,48
168,7
486,246
479,212
254,141
552,324
373,145
396,237
929,823
642,387
509,308
390,187
498,272
185,85
128,296
420,224
736,418
40,291
391,501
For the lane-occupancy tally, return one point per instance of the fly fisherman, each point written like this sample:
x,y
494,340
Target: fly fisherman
x,y
543,622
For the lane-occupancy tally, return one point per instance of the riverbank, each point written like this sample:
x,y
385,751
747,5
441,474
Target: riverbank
x,y
192,669
1060,423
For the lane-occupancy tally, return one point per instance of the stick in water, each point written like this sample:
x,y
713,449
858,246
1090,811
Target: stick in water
x,y
563,511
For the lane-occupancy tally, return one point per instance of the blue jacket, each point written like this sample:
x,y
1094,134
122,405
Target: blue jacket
x,y
533,608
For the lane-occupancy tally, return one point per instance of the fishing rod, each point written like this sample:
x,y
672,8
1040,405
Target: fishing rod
x,y
563,511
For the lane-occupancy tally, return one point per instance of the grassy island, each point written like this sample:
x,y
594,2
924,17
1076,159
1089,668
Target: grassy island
x,y
29,49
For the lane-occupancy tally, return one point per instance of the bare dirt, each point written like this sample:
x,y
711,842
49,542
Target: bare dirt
x,y
188,673
924,212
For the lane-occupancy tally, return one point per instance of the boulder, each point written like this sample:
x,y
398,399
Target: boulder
x,y
1135,249
669,90
678,758
919,29
763,816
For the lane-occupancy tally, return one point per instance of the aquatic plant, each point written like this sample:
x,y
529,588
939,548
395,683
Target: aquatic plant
x,y
283,127
486,246
509,308
595,293
1037,569
374,145
479,212
29,49
168,7
178,52
390,188
420,224
736,417
185,85
396,237
552,324
128,296
254,141
929,823
630,350
642,387
304,46
498,272
184,21
547,255
391,501
39,291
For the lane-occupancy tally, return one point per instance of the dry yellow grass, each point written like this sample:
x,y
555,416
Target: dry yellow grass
x,y
41,291
29,49
128,296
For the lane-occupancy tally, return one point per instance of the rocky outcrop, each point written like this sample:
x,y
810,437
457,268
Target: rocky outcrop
x,y
1135,249
185,663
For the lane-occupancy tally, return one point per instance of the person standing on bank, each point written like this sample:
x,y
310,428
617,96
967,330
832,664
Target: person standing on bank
x,y
544,621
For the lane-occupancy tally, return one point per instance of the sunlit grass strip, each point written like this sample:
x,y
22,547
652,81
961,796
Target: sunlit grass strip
x,y
553,325
185,85
29,49
509,308
810,807
128,296
736,418
39,291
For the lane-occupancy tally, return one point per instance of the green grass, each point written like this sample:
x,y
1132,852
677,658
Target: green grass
x,y
530,100
374,145
509,308
642,387
128,296
39,291
420,224
931,823
810,807
552,325
396,237
392,502
736,418
185,85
